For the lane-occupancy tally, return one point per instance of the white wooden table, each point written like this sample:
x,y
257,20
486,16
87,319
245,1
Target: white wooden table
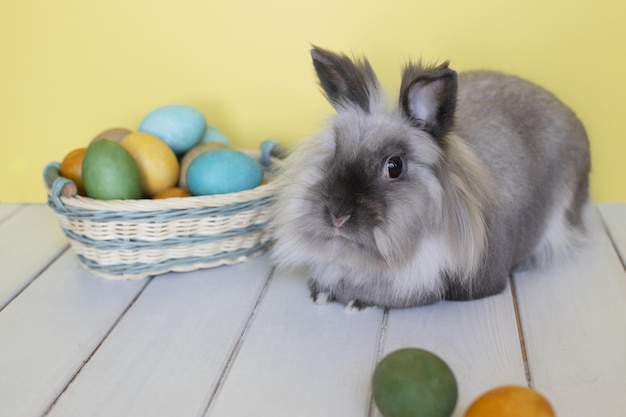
x,y
247,341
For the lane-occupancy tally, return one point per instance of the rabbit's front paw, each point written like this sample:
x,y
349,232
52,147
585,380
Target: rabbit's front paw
x,y
356,305
322,297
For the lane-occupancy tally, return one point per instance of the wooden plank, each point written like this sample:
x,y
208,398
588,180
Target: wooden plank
x,y
614,216
574,321
7,210
51,328
478,339
301,359
166,356
29,240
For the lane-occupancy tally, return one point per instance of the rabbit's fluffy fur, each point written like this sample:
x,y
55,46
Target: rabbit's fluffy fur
x,y
441,196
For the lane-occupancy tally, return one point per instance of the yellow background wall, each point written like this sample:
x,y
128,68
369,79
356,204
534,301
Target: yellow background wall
x,y
72,68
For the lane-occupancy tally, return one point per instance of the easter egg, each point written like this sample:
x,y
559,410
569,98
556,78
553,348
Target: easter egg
x,y
510,401
222,171
110,172
213,134
414,382
180,126
72,168
116,134
171,193
191,155
157,162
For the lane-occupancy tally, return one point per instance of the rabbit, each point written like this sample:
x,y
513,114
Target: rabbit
x,y
441,196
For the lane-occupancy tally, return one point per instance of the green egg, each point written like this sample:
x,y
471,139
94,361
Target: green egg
x,y
110,172
414,383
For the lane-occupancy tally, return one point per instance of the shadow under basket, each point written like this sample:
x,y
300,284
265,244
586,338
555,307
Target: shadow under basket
x,y
131,239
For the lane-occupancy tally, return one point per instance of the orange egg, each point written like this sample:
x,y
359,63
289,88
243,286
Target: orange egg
x,y
72,168
510,401
172,192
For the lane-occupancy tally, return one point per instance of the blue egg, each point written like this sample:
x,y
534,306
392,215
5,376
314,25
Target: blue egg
x,y
222,171
213,134
180,126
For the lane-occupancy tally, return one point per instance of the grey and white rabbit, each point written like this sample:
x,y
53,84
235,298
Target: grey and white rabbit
x,y
441,196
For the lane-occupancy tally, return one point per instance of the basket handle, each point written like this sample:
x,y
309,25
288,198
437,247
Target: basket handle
x,y
57,185
269,149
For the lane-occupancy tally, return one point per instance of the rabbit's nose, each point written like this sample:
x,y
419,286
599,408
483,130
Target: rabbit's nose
x,y
339,220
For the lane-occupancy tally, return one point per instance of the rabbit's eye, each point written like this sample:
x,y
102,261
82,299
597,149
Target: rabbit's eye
x,y
394,166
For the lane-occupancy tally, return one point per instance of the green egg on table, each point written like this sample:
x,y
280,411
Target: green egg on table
x,y
110,172
414,383
180,126
223,171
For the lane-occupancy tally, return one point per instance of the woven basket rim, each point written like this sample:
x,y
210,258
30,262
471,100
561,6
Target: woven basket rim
x,y
63,193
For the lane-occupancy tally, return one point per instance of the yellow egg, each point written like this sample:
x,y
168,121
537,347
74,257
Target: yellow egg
x,y
172,192
157,162
191,155
510,401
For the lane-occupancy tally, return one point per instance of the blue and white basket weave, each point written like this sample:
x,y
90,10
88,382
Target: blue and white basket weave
x,y
130,239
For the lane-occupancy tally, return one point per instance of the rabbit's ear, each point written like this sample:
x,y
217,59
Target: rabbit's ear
x,y
428,97
344,81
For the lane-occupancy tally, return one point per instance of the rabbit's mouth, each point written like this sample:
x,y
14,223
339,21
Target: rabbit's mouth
x,y
360,243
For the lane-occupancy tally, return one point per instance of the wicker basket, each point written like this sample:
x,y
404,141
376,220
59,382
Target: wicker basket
x,y
130,239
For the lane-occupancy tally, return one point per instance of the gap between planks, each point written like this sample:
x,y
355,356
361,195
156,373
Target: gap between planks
x,y
32,279
11,213
382,339
104,338
520,332
607,230
237,347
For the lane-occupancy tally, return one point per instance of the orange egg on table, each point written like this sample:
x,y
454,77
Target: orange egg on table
x,y
510,401
157,162
171,193
72,168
